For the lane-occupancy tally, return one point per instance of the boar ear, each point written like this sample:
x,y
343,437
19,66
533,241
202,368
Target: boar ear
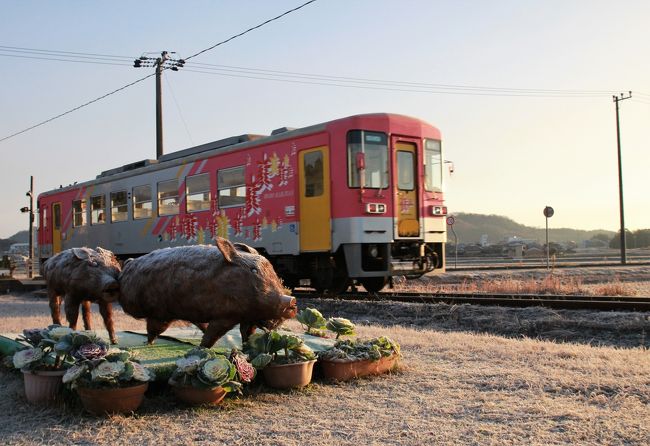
x,y
81,253
244,247
227,249
84,254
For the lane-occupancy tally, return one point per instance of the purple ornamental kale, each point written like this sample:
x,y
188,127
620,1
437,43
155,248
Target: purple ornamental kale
x,y
33,335
90,351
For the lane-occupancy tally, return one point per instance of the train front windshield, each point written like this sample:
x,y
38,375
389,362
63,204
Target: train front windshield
x,y
373,148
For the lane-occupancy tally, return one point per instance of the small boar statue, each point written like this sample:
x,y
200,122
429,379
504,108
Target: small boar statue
x,y
213,287
82,276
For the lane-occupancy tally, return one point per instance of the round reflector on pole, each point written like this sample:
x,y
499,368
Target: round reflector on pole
x,y
548,212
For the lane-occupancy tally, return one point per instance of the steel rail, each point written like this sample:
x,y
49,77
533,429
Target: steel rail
x,y
601,303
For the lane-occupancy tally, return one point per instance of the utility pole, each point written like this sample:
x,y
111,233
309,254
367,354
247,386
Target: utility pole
x,y
30,210
617,99
161,63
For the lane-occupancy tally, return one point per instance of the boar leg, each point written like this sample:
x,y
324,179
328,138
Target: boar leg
x,y
55,306
155,327
106,310
71,311
202,326
246,329
85,314
216,329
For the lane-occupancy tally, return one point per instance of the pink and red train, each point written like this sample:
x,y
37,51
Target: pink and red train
x,y
358,198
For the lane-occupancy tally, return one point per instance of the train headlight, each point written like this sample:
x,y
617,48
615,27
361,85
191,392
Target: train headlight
x,y
375,208
373,251
438,210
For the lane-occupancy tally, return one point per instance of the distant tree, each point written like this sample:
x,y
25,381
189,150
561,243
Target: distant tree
x,y
601,237
636,239
642,238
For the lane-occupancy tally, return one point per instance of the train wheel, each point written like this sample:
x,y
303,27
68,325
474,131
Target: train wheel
x,y
373,284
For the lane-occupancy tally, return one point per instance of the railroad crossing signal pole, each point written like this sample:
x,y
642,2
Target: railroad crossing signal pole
x,y
161,63
617,99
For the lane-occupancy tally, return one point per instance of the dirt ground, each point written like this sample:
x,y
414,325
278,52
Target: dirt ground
x,y
470,375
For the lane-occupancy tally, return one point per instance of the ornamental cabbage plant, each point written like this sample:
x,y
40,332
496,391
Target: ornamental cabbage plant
x,y
359,350
42,353
272,347
340,326
204,368
112,368
313,320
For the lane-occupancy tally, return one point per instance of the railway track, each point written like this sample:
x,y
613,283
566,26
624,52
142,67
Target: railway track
x,y
601,303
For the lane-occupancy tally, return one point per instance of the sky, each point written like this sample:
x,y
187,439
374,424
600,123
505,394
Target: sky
x,y
529,121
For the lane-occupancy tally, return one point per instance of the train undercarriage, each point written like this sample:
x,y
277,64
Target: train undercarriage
x,y
372,265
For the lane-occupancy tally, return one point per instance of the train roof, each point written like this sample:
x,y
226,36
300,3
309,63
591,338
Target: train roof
x,y
237,143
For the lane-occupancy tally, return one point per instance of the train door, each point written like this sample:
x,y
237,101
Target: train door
x,y
406,192
56,228
314,183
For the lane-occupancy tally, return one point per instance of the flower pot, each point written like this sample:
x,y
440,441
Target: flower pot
x,y
285,376
196,396
344,370
42,386
112,400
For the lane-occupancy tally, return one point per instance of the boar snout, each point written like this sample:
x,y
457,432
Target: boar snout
x,y
111,291
291,307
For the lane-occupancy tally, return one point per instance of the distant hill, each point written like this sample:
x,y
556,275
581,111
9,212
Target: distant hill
x,y
19,237
470,227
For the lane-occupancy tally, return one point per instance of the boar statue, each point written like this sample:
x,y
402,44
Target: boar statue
x,y
213,287
81,276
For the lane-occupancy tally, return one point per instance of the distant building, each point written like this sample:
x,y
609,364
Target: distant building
x,y
518,240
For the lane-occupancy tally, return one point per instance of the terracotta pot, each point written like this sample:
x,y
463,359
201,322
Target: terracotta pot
x,y
196,396
342,370
112,400
43,386
285,376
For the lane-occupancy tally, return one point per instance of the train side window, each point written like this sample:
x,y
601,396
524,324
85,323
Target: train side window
x,y
98,210
372,147
78,213
119,206
198,192
432,165
45,217
142,203
56,215
313,167
168,197
231,187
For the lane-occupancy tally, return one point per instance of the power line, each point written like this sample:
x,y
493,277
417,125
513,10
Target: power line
x,y
180,112
66,60
146,77
235,69
77,108
59,52
251,29
439,90
288,75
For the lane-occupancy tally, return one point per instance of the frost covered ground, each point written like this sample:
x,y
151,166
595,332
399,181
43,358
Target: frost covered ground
x,y
471,375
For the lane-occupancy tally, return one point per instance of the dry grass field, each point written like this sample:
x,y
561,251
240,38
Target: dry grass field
x,y
469,376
